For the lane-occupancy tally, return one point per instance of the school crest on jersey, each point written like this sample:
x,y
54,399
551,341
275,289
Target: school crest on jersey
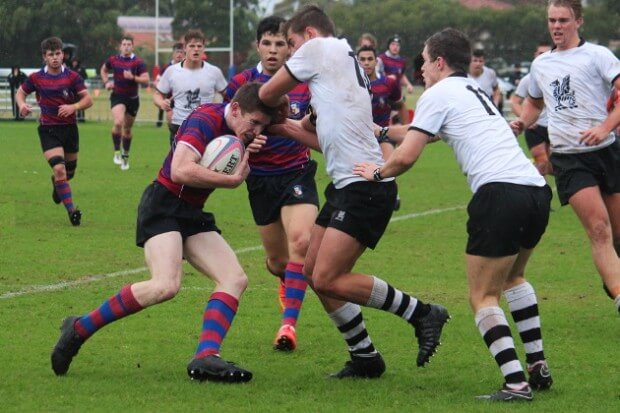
x,y
294,109
298,191
193,98
564,96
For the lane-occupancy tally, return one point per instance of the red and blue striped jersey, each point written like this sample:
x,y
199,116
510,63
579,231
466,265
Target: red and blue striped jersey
x,y
385,91
116,65
280,154
53,91
393,65
204,124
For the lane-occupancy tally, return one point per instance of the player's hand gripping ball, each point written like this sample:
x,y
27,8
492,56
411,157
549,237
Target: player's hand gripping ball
x,y
223,154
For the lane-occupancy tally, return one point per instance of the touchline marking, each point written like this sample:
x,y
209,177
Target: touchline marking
x,y
35,289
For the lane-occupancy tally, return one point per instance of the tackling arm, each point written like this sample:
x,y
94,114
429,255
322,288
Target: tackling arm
x,y
272,92
299,130
403,158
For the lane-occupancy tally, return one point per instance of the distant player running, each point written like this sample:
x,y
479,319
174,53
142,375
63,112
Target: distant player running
x,y
188,84
573,82
60,94
127,71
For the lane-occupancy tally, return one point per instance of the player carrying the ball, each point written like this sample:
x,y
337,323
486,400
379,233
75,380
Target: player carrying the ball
x,y
172,226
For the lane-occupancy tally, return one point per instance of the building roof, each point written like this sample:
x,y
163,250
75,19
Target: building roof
x,y
492,4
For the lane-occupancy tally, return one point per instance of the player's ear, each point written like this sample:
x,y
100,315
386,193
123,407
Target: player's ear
x,y
235,109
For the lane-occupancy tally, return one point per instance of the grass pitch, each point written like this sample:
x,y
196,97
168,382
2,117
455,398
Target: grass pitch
x,y
49,270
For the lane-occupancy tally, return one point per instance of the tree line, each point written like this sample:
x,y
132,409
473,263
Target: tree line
x,y
91,24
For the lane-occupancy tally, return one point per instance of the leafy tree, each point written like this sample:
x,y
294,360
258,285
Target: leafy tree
x,y
89,24
510,34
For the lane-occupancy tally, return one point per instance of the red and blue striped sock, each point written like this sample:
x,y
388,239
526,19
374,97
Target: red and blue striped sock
x,y
116,141
218,317
121,305
295,286
63,189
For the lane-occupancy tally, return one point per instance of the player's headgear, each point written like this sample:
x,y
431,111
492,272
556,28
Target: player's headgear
x,y
395,38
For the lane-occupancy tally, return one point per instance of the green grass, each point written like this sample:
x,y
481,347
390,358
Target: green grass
x,y
138,364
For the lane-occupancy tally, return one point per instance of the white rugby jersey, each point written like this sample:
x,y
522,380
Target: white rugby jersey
x,y
487,80
190,88
574,84
521,91
466,119
342,103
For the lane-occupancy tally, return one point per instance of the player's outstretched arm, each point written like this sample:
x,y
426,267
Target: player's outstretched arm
x,y
403,158
296,130
281,83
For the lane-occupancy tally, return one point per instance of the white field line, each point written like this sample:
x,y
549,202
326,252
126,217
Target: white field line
x,y
35,289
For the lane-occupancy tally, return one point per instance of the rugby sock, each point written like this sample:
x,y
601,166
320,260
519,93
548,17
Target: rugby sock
x,y
295,290
116,141
121,305
216,321
387,298
350,322
63,190
524,309
126,143
494,329
617,302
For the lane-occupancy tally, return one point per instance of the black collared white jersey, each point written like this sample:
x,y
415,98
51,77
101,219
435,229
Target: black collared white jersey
x,y
459,111
574,84
342,103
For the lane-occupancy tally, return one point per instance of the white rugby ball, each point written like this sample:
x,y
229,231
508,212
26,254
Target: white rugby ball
x,y
223,154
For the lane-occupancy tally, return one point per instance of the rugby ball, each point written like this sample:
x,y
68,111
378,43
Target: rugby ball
x,y
223,154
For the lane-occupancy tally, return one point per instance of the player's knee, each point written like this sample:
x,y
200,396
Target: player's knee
x,y
167,290
71,166
237,281
600,231
298,244
325,286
